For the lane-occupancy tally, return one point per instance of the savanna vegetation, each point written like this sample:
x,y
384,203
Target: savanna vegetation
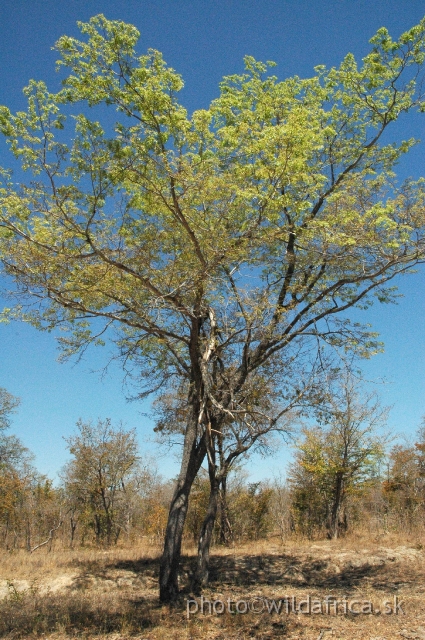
x,y
345,477
80,558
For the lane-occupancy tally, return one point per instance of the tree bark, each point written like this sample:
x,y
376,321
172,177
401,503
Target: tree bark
x,y
205,536
218,478
73,526
225,528
336,507
193,456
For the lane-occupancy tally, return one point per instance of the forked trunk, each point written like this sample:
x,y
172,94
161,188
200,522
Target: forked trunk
x,y
217,479
193,455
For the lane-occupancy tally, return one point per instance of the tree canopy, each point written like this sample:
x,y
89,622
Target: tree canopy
x,y
274,209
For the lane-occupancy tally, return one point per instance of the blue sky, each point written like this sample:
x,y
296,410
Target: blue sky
x,y
203,40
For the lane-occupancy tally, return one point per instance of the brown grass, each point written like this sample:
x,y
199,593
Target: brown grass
x,y
113,594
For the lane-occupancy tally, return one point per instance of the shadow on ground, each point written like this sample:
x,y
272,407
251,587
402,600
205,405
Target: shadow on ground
x,y
265,570
381,572
120,597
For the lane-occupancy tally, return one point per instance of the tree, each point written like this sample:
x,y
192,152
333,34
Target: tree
x,y
405,483
104,460
403,487
212,242
26,496
17,479
333,462
8,404
281,508
248,509
252,508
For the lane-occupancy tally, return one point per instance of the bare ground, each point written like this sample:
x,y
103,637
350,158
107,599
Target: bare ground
x,y
113,595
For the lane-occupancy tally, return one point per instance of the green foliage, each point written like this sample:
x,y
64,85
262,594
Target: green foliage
x,y
250,512
150,222
248,507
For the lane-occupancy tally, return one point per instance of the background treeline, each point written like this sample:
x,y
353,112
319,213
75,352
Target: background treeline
x,y
343,478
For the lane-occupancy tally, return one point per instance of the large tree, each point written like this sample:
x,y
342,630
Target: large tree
x,y
216,241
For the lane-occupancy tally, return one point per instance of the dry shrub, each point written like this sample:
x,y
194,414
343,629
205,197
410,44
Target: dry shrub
x,y
30,612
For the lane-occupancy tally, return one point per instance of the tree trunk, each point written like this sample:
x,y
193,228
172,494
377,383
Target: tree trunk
x,y
28,535
225,528
193,455
218,478
6,534
205,538
73,526
336,506
97,528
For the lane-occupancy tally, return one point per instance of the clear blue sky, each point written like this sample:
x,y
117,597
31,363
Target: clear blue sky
x,y
203,40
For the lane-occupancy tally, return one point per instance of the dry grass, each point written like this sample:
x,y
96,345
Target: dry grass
x,y
113,594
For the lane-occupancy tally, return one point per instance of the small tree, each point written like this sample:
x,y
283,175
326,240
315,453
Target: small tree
x,y
250,511
281,508
104,460
28,505
333,461
404,487
12,454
